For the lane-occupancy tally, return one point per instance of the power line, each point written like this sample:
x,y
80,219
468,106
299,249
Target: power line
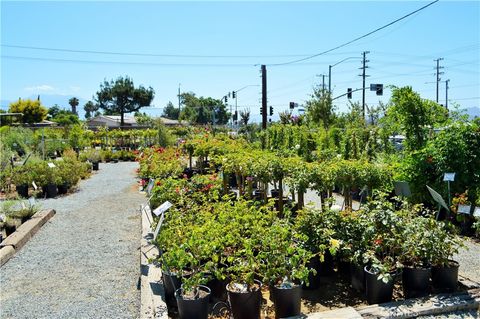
x,y
356,39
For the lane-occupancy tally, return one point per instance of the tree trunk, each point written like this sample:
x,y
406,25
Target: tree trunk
x,y
300,198
121,120
280,191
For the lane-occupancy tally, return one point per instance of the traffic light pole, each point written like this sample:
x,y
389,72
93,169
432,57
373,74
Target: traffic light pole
x,y
264,97
356,90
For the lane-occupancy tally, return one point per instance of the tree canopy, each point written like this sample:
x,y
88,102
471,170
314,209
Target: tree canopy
x,y
203,110
73,103
90,109
33,110
120,96
320,109
171,112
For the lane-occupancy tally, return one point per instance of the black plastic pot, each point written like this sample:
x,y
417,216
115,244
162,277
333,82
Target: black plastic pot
x,y
287,301
22,190
376,290
357,277
416,281
275,193
258,195
62,189
95,166
246,305
50,190
171,282
445,278
218,289
232,180
193,308
326,266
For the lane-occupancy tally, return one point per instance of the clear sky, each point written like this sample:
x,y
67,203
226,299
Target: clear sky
x,y
211,48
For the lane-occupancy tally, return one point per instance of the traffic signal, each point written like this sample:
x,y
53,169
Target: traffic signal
x,y
235,116
379,89
261,110
292,105
234,94
349,93
271,110
226,99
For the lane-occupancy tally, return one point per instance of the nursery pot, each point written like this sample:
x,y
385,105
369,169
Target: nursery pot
x,y
22,190
245,305
416,281
50,190
357,277
287,300
171,282
95,166
195,308
376,290
258,194
445,278
275,193
218,289
62,188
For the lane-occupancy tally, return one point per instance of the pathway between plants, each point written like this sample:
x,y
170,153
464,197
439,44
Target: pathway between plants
x,y
84,262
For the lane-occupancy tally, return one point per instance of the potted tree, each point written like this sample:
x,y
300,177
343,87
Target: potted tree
x,y
21,177
284,267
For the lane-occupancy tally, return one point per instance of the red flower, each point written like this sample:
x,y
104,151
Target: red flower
x,y
159,183
378,241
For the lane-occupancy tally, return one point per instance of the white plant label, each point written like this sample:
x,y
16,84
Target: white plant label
x,y
150,186
449,177
159,225
24,206
31,200
34,185
162,208
51,165
464,209
476,212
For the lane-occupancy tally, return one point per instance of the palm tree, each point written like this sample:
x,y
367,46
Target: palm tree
x,y
73,103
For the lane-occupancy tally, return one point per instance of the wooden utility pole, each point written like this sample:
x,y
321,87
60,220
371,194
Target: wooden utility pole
x,y
264,97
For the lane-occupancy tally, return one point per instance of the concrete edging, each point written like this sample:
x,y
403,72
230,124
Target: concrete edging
x,y
22,235
152,294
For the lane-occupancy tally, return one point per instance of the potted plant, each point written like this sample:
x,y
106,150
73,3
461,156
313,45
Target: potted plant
x,y
284,266
21,177
384,235
47,177
93,156
416,250
444,269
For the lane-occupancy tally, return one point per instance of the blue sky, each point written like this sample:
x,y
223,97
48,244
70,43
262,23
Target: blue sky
x,y
226,41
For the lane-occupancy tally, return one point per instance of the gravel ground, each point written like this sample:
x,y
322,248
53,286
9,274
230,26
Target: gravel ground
x,y
84,263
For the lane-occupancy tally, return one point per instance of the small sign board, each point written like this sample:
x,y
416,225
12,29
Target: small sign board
x,y
476,212
34,185
150,186
162,208
148,212
448,177
51,165
402,189
464,209
438,198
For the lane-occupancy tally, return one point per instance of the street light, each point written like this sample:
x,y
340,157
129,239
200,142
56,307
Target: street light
x,y
330,71
235,94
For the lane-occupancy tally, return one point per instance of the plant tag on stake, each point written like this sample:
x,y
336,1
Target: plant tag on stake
x,y
32,202
464,209
51,165
24,206
476,212
449,177
34,185
150,186
162,208
159,225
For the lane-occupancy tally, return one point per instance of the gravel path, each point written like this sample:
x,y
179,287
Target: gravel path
x,y
84,263
469,259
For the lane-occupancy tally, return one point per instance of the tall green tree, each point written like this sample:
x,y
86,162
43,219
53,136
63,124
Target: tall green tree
x,y
120,96
203,110
414,116
33,110
319,108
171,112
74,103
90,109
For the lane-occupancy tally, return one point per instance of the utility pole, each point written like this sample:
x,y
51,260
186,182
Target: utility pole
x,y
179,110
330,79
264,97
446,93
363,75
438,73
